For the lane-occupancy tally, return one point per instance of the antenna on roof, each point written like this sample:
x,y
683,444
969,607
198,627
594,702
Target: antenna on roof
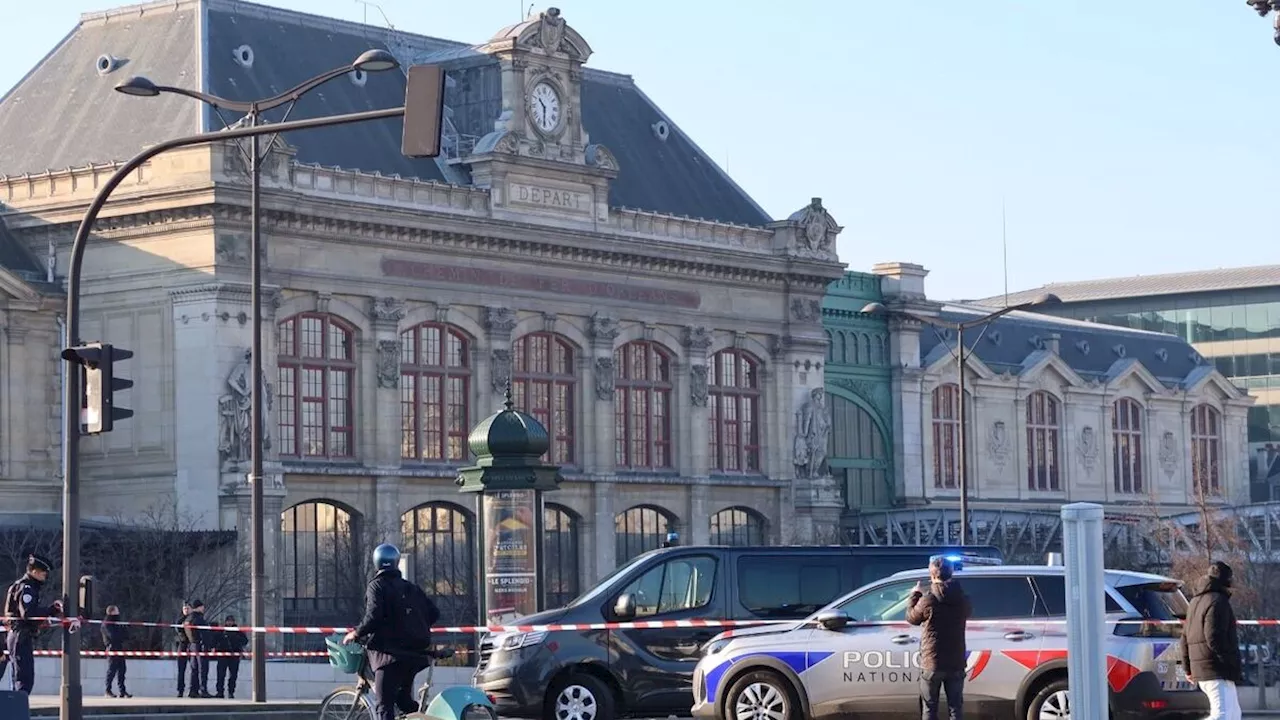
x,y
1004,246
385,19
528,12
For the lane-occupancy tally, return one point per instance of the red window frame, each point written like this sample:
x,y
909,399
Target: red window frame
x,y
544,383
642,408
1127,441
1044,442
946,436
733,399
435,393
1206,449
295,366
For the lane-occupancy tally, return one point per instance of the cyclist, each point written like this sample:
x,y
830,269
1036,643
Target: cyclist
x,y
396,632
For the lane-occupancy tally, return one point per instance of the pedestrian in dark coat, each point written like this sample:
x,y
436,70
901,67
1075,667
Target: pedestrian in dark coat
x,y
183,647
232,642
943,610
23,609
198,637
1210,643
113,637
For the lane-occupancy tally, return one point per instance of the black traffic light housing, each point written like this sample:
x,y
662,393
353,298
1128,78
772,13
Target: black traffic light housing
x,y
98,411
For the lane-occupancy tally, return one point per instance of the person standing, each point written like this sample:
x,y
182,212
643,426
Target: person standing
x,y
1211,645
198,638
396,630
21,607
943,609
4,653
183,647
232,642
113,637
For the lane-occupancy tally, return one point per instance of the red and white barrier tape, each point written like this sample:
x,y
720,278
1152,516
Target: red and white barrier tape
x,y
153,654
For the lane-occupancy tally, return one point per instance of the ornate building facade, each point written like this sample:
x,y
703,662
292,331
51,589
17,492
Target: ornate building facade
x,y
1059,411
592,260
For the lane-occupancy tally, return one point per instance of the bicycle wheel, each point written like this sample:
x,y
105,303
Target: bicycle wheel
x,y
346,704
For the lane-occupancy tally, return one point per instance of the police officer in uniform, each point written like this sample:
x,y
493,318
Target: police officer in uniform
x,y
21,603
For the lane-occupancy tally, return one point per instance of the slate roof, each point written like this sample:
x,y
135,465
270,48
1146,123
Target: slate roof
x,y
65,113
1216,280
1095,352
15,258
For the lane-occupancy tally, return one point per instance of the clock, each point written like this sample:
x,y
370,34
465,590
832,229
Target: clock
x,y
544,107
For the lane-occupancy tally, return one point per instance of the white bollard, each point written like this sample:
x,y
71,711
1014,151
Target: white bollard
x,y
1086,626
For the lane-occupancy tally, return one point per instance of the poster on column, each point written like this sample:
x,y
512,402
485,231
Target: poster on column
x,y
511,554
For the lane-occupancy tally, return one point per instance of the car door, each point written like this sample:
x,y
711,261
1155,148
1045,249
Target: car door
x,y
877,670
655,665
1004,638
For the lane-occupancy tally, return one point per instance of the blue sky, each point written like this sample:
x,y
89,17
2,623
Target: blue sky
x,y
1124,138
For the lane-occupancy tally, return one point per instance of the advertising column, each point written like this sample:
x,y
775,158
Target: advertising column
x,y
511,524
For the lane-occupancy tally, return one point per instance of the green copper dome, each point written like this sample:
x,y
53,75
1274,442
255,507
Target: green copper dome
x,y
509,433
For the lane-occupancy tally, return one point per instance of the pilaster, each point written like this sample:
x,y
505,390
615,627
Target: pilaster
x,y
598,433
695,455
699,515
385,450
600,554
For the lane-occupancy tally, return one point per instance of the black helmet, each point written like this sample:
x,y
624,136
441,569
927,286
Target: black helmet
x,y
386,556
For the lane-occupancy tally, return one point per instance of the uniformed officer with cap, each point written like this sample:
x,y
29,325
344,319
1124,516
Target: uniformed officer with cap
x,y
21,605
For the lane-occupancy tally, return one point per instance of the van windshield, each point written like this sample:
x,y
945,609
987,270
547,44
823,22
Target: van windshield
x,y
607,582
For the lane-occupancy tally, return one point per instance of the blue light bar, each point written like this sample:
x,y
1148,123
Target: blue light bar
x,y
958,561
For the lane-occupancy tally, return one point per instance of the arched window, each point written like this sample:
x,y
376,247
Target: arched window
x,y
543,380
321,576
317,367
1126,432
734,402
866,348
859,457
946,436
435,384
1044,427
851,356
844,347
1206,449
831,347
737,526
639,530
439,545
642,411
560,555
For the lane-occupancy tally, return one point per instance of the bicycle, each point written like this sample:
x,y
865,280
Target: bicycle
x,y
352,703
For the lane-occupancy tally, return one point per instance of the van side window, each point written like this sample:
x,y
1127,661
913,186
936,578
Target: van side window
x,y
785,587
674,586
1000,597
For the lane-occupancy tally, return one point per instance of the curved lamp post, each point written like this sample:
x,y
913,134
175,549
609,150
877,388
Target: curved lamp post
x,y
1263,7
368,61
961,354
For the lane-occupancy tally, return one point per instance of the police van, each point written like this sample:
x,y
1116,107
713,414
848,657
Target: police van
x,y
857,657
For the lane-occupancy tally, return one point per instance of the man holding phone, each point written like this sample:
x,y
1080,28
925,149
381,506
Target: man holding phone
x,y
943,610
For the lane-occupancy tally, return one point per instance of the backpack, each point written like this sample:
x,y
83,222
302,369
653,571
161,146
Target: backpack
x,y
413,615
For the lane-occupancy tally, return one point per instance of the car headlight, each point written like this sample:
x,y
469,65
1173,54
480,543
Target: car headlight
x,y
715,646
515,641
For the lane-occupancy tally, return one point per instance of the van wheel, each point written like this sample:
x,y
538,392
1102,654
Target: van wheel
x,y
580,697
761,695
1051,703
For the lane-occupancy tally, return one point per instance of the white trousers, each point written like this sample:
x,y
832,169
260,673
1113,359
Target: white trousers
x,y
1224,703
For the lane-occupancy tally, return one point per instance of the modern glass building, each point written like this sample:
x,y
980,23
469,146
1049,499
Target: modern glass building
x,y
1231,316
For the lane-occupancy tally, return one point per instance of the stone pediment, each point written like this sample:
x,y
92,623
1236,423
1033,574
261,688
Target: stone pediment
x,y
548,33
809,232
1042,362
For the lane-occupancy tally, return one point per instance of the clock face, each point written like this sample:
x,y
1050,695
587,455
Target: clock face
x,y
544,107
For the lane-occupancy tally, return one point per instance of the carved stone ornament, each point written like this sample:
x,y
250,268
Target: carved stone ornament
x,y
604,378
234,416
500,369
499,320
1168,453
805,310
1087,448
813,431
389,363
698,385
998,444
698,337
507,144
815,231
551,30
600,156
388,309
604,328
232,250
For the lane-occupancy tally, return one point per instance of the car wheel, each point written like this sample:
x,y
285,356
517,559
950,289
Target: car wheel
x,y
580,697
1051,703
760,695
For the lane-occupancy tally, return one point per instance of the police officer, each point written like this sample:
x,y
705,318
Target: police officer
x,y
232,642
22,605
183,647
113,637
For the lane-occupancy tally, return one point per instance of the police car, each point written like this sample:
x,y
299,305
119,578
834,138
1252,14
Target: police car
x,y
835,664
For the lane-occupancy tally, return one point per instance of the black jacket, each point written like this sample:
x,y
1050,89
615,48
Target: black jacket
x,y
943,611
1210,644
196,638
113,636
378,625
23,601
231,641
182,642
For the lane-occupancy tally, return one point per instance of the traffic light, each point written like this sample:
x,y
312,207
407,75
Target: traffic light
x,y
98,411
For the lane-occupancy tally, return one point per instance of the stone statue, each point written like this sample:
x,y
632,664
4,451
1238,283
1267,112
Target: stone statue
x,y
813,430
235,413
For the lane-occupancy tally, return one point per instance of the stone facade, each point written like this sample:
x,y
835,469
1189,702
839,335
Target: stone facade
x,y
1059,411
397,313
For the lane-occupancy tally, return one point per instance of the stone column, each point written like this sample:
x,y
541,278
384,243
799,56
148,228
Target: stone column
x,y
387,312
699,515
273,507
601,555
599,456
695,455
499,322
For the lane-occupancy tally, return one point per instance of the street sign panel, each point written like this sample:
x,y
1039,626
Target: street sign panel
x,y
423,111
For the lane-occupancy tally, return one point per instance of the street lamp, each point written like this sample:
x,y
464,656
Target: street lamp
x,y
1263,7
962,355
368,61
